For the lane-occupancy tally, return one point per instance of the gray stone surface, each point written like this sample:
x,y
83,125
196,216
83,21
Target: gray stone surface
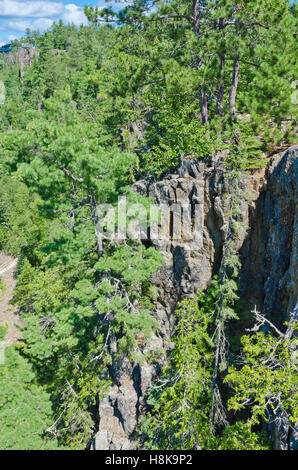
x,y
24,57
268,248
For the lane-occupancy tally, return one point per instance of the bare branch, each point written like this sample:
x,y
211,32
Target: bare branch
x,y
261,320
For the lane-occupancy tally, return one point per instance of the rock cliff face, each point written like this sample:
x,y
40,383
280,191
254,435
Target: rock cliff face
x,y
268,248
269,254
23,57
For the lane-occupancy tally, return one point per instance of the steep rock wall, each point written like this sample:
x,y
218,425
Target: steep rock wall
x,y
23,57
269,254
268,248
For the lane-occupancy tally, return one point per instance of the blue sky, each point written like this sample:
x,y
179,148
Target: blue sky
x,y
17,15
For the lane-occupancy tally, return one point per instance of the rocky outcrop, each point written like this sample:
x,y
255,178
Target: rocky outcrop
x,y
192,247
23,57
269,255
191,259
120,411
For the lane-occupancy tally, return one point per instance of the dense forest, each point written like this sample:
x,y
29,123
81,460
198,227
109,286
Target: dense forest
x,y
98,108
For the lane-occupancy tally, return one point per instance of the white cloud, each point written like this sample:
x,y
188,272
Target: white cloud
x,y
18,15
10,37
74,14
16,25
30,9
41,24
21,25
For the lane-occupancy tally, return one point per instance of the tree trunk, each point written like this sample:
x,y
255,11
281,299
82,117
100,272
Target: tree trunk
x,y
234,87
196,18
220,89
204,105
94,217
221,86
197,30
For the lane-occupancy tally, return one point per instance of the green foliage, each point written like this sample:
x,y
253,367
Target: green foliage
x,y
3,331
175,131
181,401
245,149
21,227
267,379
25,407
124,295
188,49
99,107
56,171
240,436
180,418
2,285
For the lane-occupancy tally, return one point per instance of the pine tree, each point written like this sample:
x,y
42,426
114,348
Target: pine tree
x,y
25,407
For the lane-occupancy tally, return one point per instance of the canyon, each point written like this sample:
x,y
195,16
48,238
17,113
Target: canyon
x,y
267,244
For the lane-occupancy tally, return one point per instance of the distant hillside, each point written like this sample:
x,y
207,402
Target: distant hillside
x,y
6,48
